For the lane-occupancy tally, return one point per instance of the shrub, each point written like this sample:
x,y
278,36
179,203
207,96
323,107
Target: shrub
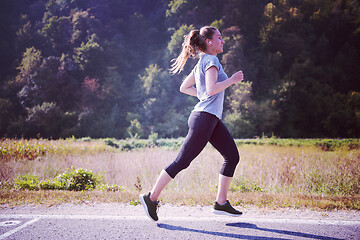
x,y
238,126
84,139
111,143
48,184
130,144
153,137
78,180
27,181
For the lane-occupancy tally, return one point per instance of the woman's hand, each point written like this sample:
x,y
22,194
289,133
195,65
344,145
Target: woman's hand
x,y
214,87
237,77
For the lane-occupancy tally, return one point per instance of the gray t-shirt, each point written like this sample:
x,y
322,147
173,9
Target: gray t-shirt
x,y
211,104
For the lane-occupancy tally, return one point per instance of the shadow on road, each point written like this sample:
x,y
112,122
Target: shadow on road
x,y
291,233
240,236
221,234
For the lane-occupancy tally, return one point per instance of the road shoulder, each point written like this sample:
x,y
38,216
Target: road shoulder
x,y
169,210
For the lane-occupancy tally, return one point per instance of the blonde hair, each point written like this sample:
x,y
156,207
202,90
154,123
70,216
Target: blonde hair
x,y
194,43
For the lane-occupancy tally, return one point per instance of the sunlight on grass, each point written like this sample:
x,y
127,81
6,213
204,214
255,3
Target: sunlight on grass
x,y
267,175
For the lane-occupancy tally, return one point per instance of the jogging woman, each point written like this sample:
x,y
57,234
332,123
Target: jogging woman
x,y
205,123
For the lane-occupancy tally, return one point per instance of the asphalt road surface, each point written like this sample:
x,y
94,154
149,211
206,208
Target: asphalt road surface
x,y
121,221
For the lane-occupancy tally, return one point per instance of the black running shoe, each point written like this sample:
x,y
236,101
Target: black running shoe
x,y
225,209
149,206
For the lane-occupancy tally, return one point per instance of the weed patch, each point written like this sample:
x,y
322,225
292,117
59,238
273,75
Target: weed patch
x,y
75,180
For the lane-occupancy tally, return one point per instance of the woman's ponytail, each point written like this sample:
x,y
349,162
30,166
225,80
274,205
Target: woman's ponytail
x,y
189,49
194,43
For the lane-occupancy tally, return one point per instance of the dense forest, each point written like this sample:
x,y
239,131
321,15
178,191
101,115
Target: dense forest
x,y
100,68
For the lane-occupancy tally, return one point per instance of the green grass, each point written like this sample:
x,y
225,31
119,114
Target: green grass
x,y
295,173
35,148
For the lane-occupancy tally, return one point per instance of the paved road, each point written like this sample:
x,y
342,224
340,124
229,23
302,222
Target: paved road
x,y
183,223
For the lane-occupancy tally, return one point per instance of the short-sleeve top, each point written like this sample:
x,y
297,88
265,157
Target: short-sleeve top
x,y
211,104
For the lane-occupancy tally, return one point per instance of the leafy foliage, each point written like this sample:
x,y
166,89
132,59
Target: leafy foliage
x,y
78,180
27,181
75,180
86,68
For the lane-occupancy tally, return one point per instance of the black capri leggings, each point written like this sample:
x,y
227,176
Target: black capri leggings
x,y
203,128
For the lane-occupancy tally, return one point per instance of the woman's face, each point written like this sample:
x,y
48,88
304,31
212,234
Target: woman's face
x,y
217,43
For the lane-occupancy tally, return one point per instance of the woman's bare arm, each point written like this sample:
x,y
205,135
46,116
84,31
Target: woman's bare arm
x,y
187,85
213,86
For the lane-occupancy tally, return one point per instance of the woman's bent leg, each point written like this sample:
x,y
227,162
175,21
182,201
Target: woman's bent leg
x,y
222,140
201,126
224,183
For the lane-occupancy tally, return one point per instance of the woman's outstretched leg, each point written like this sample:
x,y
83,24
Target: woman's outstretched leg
x,y
201,125
149,201
162,181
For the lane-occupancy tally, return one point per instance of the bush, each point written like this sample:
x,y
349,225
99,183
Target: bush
x,y
111,143
153,137
130,144
27,181
238,126
48,184
78,180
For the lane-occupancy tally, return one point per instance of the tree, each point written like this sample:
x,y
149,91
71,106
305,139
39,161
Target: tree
x,y
29,65
57,32
154,85
90,58
45,120
99,66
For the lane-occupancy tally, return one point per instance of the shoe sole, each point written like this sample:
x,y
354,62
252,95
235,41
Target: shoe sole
x,y
218,212
143,203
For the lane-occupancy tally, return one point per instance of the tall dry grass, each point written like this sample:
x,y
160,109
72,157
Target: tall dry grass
x,y
261,168
300,169
264,172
